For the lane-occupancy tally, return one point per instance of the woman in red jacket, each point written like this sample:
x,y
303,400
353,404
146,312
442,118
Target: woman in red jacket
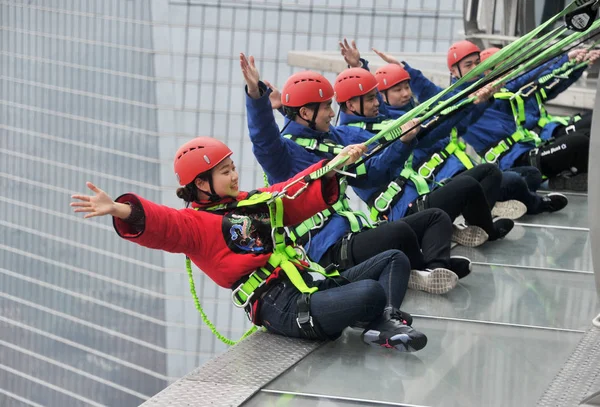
x,y
229,235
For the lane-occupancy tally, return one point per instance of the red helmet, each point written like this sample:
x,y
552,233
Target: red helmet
x,y
390,75
486,53
197,156
459,51
306,87
353,82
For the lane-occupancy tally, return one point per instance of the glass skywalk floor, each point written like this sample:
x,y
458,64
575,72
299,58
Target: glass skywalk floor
x,y
498,339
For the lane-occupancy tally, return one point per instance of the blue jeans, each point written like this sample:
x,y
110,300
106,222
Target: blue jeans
x,y
514,186
362,295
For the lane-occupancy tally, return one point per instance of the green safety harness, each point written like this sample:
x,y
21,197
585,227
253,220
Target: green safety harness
x,y
286,260
494,153
434,163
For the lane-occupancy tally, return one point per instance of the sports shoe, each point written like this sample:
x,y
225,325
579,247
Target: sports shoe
x,y
460,265
577,183
470,236
436,281
501,228
554,202
388,331
404,317
511,209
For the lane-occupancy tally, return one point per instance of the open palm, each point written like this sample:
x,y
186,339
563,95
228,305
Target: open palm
x,y
99,204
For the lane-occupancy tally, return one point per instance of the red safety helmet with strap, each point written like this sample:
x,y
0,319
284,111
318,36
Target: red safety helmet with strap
x,y
198,156
488,52
459,51
390,75
353,82
306,87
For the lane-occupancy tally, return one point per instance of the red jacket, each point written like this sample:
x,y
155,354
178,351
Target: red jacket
x,y
225,246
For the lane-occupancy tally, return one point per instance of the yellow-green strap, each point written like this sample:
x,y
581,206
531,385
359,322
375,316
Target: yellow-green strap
x,y
409,173
312,144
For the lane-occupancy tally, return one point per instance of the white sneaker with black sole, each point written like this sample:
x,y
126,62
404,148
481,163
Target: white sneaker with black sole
x,y
511,209
470,236
436,281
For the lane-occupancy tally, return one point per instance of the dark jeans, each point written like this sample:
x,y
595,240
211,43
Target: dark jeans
x,y
370,286
424,238
514,187
461,194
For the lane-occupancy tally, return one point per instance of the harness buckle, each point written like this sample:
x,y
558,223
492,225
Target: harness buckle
x,y
321,221
303,319
240,288
493,154
555,82
526,90
382,197
426,171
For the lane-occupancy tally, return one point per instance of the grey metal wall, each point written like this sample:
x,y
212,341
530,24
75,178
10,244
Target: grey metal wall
x,y
105,90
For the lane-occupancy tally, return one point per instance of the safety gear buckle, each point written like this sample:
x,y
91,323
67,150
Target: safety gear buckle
x,y
555,82
248,296
426,171
394,185
303,319
321,221
493,153
526,90
313,145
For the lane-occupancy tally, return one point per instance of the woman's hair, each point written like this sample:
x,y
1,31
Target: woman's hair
x,y
189,193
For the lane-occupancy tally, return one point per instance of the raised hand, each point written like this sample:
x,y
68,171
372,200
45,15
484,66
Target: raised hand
x,y
251,75
351,54
275,96
387,58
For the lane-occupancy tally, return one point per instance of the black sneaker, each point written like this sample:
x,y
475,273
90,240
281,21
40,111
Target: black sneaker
x,y
502,227
554,202
388,331
460,265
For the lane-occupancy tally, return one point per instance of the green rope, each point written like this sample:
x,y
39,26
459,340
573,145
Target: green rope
x,y
266,179
227,341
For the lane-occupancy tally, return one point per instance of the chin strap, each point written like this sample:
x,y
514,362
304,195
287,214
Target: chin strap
x,y
212,195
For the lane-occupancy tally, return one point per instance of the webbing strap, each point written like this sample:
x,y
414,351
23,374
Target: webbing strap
x,y
312,144
454,147
409,173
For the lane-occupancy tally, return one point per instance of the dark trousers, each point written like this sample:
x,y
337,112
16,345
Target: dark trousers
x,y
461,195
365,291
424,238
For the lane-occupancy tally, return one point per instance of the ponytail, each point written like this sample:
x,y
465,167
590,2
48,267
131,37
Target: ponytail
x,y
189,193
